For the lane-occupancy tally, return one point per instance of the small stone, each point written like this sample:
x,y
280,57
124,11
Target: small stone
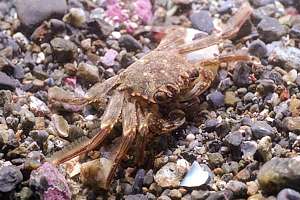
x,y
265,148
241,74
109,58
130,43
270,29
168,176
50,183
135,197
63,50
26,193
89,73
216,98
225,194
279,173
138,181
295,31
238,188
39,107
199,194
10,177
190,137
148,179
288,194
230,98
164,197
261,129
252,188
258,48
5,97
234,138
75,17
61,125
292,124
249,148
202,21
290,77
99,27
215,159
6,82
33,12
294,106
175,194
259,3
286,57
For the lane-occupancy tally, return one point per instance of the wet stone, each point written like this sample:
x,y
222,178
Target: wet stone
x,y
6,82
286,57
202,21
258,48
88,73
270,29
259,3
169,175
295,31
241,74
288,194
261,129
10,177
33,12
199,194
238,188
216,98
292,124
63,50
130,43
279,173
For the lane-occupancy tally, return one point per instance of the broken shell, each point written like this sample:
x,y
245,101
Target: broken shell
x,y
61,125
197,175
95,172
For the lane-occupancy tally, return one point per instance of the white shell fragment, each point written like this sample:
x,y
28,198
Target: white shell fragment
x,y
196,176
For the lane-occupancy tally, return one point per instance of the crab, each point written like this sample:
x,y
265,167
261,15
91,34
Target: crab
x,y
147,98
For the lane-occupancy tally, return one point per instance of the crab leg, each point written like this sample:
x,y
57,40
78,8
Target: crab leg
x,y
110,118
129,125
209,71
229,31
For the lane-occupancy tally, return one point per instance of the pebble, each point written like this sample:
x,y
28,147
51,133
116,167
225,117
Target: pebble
x,y
75,17
135,197
148,179
261,129
33,12
5,97
265,148
130,43
63,50
241,74
215,159
288,194
258,48
225,194
248,148
279,173
270,29
238,188
138,181
202,21
230,98
6,82
295,31
190,137
216,98
175,194
259,3
199,194
10,177
292,124
169,176
285,57
50,183
88,73
290,77
234,139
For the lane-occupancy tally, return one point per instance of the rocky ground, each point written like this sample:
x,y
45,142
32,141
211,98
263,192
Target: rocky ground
x,y
241,141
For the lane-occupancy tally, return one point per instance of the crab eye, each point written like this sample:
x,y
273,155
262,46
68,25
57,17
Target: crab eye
x,y
161,97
